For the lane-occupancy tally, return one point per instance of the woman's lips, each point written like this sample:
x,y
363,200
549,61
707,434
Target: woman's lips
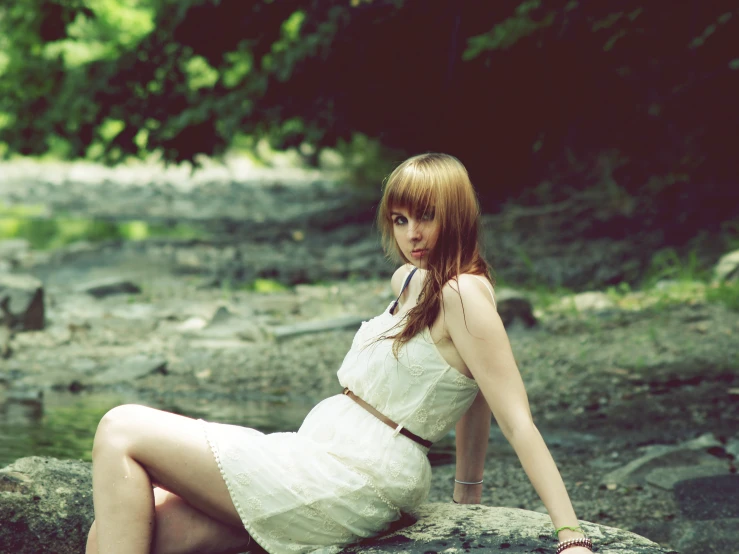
x,y
419,253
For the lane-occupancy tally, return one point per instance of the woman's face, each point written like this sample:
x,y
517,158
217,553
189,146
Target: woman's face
x,y
415,233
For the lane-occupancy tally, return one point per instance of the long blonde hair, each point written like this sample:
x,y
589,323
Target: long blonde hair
x,y
436,183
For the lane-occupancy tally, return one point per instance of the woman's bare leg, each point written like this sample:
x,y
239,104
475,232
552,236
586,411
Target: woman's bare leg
x,y
136,446
181,529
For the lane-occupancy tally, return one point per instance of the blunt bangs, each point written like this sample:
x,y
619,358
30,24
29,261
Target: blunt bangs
x,y
412,190
438,183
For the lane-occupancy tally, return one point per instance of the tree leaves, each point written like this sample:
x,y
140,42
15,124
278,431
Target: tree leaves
x,y
520,91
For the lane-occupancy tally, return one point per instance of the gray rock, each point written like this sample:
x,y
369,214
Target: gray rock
x,y
46,506
21,406
5,337
513,306
717,536
275,304
657,530
226,325
26,395
308,327
690,453
709,497
665,284
13,250
593,301
727,268
453,528
107,287
137,311
666,477
135,367
732,447
705,441
21,302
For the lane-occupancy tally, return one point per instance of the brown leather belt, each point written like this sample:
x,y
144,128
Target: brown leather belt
x,y
386,420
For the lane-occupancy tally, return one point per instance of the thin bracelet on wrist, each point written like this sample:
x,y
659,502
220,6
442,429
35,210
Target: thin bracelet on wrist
x,y
576,528
469,482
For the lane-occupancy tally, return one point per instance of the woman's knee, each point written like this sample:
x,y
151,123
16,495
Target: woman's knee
x,y
182,529
92,545
117,428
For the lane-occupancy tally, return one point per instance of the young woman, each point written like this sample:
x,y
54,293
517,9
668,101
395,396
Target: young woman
x,y
437,357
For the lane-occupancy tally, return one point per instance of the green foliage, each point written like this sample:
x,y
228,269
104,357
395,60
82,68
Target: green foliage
x,y
261,286
28,222
366,162
103,31
266,286
724,293
666,264
506,34
672,280
548,84
730,234
546,298
526,260
200,74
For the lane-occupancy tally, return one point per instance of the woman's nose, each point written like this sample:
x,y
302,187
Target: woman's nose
x,y
414,230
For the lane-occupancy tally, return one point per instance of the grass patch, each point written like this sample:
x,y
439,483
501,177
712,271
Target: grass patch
x,y
266,286
724,293
671,280
656,298
43,233
547,298
668,265
262,286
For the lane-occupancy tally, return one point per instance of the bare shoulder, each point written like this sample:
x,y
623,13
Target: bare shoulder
x,y
468,306
467,289
396,282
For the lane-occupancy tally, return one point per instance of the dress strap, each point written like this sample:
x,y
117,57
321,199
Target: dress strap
x,y
489,287
402,290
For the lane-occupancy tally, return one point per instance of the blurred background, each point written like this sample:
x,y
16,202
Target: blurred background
x,y
187,192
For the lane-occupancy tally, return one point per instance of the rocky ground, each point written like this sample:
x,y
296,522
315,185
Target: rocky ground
x,y
627,400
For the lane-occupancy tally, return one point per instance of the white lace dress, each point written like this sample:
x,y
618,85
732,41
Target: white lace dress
x,y
345,475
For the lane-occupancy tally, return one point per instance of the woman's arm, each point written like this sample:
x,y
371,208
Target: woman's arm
x,y
480,338
472,434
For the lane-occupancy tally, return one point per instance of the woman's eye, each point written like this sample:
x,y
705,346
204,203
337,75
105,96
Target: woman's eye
x,y
428,216
399,220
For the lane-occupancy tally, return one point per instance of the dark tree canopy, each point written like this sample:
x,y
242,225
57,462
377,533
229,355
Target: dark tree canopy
x,y
562,91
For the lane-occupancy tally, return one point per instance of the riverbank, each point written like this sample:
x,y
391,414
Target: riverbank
x,y
207,327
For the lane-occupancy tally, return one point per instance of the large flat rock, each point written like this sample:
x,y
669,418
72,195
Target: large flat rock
x,y
46,506
450,528
715,497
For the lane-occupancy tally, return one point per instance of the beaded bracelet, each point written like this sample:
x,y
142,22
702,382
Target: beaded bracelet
x,y
586,542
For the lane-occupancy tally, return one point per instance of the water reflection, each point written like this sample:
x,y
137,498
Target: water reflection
x,y
63,425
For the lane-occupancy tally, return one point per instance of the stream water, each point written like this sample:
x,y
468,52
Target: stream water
x,y
63,425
